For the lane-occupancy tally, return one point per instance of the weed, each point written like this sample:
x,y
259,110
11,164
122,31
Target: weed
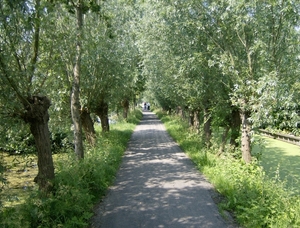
x,y
78,185
255,199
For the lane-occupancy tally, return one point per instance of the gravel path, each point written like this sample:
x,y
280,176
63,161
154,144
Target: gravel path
x,y
157,186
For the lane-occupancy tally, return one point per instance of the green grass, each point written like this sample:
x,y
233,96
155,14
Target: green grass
x,y
254,198
79,185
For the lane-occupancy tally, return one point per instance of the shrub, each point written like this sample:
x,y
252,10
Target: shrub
x,y
78,185
253,198
256,200
135,117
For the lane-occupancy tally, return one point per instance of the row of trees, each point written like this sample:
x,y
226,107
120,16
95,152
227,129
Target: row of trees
x,y
225,63
62,61
233,64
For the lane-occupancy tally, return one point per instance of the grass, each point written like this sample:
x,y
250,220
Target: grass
x,y
254,198
79,185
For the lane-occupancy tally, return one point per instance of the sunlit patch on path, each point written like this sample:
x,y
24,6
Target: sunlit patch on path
x,y
157,186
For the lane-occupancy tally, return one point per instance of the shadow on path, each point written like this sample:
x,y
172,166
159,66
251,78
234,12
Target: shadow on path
x,y
157,186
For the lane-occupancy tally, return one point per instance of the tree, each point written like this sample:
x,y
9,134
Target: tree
x,y
251,47
110,61
194,49
21,26
75,94
100,67
176,56
80,115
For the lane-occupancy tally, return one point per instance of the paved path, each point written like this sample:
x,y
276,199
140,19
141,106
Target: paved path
x,y
157,186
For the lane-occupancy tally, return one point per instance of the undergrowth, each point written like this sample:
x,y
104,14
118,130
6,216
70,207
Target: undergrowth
x,y
79,185
254,199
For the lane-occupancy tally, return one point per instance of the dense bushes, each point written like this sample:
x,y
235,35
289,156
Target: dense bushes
x,y
254,199
135,119
20,141
78,184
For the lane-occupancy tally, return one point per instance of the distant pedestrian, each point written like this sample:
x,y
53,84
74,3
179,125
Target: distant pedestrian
x,y
148,106
145,106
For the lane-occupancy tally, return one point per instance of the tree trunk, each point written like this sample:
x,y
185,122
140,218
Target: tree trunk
x,y
180,112
134,102
207,127
102,112
235,125
35,107
191,118
125,104
88,126
196,120
246,138
75,94
37,116
224,139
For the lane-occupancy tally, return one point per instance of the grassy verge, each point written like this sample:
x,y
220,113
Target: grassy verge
x,y
78,184
255,199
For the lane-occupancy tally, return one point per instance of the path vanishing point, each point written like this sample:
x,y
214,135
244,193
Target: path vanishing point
x,y
157,186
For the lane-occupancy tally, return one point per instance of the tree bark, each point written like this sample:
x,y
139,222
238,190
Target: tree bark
x,y
134,102
235,125
224,139
36,110
180,112
246,138
197,120
88,127
207,127
102,112
75,94
191,118
37,116
125,105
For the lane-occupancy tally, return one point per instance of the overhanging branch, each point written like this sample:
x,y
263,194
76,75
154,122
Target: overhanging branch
x,y
12,83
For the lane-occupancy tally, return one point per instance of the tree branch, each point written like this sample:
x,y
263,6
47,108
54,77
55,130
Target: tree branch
x,y
36,38
12,83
